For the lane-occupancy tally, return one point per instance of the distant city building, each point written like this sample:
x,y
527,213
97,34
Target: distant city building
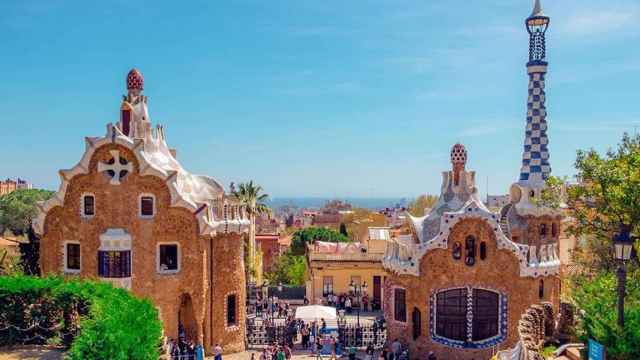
x,y
8,186
327,220
497,201
334,266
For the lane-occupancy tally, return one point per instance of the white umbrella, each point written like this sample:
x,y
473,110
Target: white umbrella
x,y
315,312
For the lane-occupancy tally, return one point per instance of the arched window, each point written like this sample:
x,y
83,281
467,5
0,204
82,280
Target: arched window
x,y
543,230
541,289
416,318
483,250
457,250
554,230
470,250
468,318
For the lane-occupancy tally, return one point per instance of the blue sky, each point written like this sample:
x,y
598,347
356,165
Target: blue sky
x,y
316,98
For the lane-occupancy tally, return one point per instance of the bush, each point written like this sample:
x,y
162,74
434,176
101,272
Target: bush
x,y
302,237
96,320
596,297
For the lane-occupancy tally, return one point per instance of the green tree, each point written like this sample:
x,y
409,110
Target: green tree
x,y
606,198
306,236
249,195
596,296
289,270
422,202
17,210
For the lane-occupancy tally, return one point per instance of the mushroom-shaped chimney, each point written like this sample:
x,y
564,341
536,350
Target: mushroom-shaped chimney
x,y
135,80
458,160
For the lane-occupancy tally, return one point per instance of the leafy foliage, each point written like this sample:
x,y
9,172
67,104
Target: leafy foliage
x,y
554,194
289,270
422,202
112,323
596,297
18,208
606,198
249,195
306,236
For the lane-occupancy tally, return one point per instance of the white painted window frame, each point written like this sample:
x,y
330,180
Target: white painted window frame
x,y
95,207
393,306
168,272
64,251
140,206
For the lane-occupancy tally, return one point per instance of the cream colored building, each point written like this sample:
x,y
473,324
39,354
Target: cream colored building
x,y
334,266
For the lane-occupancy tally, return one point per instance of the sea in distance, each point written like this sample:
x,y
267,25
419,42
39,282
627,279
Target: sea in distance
x,y
318,202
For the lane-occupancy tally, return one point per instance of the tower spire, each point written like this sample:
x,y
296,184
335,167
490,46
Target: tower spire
x,y
537,9
535,158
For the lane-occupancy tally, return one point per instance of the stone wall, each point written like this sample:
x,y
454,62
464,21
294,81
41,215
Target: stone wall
x,y
439,270
228,279
185,293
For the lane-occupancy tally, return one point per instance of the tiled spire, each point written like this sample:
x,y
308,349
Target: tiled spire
x,y
535,158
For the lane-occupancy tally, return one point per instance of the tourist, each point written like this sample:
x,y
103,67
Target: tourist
x,y
369,352
287,352
347,304
264,355
334,348
323,326
365,302
280,354
304,332
396,348
384,355
217,352
352,353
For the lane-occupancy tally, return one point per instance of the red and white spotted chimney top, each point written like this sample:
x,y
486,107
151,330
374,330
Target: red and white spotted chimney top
x,y
135,80
458,154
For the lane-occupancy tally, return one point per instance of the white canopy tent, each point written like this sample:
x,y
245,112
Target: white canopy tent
x,y
315,312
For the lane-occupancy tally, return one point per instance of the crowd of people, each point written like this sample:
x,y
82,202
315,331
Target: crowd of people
x,y
184,349
347,302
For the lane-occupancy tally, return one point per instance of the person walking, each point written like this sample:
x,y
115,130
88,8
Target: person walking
x,y
396,348
347,304
369,352
217,352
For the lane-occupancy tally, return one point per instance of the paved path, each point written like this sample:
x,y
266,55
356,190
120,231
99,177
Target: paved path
x,y
29,353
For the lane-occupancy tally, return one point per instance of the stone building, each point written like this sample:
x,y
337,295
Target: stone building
x,y
332,267
462,282
130,214
9,186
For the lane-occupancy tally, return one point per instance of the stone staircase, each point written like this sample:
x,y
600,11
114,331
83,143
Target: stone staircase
x,y
504,225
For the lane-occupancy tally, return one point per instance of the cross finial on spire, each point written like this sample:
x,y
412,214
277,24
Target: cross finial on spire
x,y
537,9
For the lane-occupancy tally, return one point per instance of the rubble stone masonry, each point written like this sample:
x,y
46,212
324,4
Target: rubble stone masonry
x,y
500,272
186,294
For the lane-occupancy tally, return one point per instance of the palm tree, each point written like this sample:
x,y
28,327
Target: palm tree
x,y
249,195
